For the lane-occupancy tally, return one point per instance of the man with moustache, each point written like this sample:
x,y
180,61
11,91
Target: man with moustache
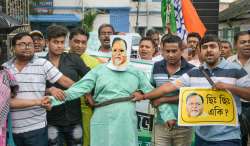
x,y
104,33
114,124
78,39
104,51
228,76
146,49
193,40
173,65
29,118
242,44
226,49
155,36
39,41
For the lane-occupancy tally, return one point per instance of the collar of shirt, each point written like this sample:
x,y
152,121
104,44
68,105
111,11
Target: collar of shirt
x,y
235,59
222,63
184,65
12,60
64,54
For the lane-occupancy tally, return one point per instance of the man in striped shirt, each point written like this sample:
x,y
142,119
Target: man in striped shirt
x,y
242,44
228,76
31,73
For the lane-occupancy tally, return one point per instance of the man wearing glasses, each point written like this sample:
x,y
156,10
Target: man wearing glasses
x,y
27,107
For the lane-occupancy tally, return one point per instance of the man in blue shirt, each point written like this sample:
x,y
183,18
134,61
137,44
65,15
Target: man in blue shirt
x,y
228,76
170,68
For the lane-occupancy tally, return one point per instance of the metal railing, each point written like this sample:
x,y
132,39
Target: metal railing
x,y
19,9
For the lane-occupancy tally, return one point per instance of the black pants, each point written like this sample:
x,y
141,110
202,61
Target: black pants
x,y
37,137
245,122
231,142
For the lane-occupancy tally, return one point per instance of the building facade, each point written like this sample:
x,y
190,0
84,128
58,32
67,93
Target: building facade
x,y
19,10
233,19
122,15
47,12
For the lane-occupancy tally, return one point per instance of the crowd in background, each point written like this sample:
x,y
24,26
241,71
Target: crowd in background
x,y
41,68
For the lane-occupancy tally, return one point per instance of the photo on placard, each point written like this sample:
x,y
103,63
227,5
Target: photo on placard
x,y
121,50
205,106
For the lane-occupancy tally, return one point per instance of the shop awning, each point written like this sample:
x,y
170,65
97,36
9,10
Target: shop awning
x,y
55,18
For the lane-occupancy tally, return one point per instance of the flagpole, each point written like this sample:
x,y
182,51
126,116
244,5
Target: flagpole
x,y
137,17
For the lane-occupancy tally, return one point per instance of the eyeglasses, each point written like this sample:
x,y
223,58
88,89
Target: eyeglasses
x,y
24,46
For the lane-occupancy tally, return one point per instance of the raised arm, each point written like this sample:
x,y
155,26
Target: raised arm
x,y
166,88
160,91
65,81
240,88
80,88
165,99
242,92
24,103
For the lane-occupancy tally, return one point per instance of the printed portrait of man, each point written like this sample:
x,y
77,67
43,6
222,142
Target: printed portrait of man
x,y
119,52
121,49
194,105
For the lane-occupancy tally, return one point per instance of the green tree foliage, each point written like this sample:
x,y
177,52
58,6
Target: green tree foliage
x,y
88,20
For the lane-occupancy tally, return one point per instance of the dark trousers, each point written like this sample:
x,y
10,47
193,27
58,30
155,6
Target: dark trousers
x,y
72,135
245,122
37,137
231,142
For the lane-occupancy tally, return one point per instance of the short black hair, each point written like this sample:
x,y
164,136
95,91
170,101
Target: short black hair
x,y
165,36
172,39
19,36
78,30
209,38
237,35
227,42
194,34
194,94
103,26
55,31
119,39
151,32
147,39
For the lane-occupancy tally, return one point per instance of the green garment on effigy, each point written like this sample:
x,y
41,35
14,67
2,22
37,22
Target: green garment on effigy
x,y
115,124
87,112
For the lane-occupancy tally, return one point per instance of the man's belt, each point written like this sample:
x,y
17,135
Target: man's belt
x,y
112,101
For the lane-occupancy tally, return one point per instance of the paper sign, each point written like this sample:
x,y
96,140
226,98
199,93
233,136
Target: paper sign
x,y
205,106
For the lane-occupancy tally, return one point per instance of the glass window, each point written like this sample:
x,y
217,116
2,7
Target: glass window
x,y
229,33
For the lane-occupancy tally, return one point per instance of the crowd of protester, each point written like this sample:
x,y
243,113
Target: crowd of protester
x,y
41,69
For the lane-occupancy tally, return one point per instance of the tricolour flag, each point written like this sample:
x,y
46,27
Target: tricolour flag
x,y
168,15
182,17
164,14
192,20
181,28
